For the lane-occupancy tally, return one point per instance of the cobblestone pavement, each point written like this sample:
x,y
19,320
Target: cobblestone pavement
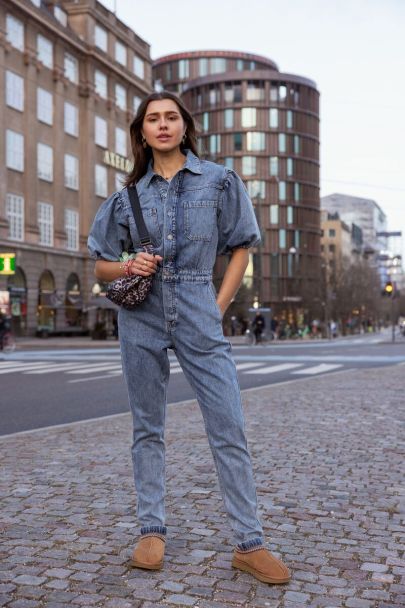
x,y
327,459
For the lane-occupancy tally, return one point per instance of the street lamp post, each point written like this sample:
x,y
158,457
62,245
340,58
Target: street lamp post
x,y
259,274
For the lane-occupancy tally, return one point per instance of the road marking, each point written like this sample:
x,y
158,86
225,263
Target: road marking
x,y
23,367
242,366
96,367
272,369
55,368
318,369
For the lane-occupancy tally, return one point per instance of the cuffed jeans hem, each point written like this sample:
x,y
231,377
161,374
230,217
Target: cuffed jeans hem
x,y
154,530
255,542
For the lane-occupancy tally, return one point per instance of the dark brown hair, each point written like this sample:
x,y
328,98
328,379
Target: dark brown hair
x,y
143,155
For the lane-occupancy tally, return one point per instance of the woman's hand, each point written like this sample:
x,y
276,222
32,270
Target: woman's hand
x,y
145,264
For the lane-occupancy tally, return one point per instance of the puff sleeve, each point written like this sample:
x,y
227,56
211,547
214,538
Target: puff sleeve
x,y
109,235
237,225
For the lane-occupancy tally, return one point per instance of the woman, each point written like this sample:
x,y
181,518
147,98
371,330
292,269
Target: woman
x,y
194,210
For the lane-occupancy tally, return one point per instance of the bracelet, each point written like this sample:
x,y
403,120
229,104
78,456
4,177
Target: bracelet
x,y
126,267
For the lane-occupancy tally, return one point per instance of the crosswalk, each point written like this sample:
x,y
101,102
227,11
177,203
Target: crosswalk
x,y
80,371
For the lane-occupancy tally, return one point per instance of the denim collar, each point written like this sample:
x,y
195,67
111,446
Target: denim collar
x,y
192,163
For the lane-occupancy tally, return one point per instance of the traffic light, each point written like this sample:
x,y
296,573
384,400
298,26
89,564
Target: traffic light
x,y
388,289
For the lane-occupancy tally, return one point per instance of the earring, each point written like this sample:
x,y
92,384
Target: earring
x,y
184,138
145,145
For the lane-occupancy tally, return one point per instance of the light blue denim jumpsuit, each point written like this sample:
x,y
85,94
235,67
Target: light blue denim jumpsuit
x,y
203,212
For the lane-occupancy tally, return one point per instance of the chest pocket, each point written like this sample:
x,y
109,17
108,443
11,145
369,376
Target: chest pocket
x,y
151,220
200,219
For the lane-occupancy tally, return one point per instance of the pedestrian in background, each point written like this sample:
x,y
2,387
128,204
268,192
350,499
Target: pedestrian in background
x,y
194,210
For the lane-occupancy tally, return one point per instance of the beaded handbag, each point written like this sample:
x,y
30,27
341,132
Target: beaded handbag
x,y
131,291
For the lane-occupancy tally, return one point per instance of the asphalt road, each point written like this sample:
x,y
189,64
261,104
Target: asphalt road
x,y
45,387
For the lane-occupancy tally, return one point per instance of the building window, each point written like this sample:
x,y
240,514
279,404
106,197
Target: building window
x,y
237,142
297,192
256,188
255,141
290,119
203,66
282,238
218,65
120,96
14,150
290,167
71,119
248,165
101,180
282,191
139,67
273,118
44,106
228,162
273,165
71,68
255,91
101,38
228,118
282,93
273,93
206,121
100,132
45,51
273,214
119,181
240,66
71,172
15,217
332,248
60,15
297,144
296,238
248,117
214,95
120,53
100,83
215,144
282,142
14,91
120,141
45,224
332,232
183,68
15,32
45,162
229,93
290,215
136,103
72,229
36,2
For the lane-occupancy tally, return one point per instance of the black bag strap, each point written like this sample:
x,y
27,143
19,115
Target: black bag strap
x,y
139,221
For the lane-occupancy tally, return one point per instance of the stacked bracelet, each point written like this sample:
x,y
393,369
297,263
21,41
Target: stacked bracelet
x,y
126,267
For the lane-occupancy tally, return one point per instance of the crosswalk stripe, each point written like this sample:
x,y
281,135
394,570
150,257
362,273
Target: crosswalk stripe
x,y
23,367
90,369
242,366
55,368
272,369
318,369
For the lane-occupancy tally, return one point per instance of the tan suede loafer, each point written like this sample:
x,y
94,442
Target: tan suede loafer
x,y
262,565
149,553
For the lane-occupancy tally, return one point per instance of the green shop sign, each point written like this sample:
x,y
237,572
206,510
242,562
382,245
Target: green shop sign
x,y
7,263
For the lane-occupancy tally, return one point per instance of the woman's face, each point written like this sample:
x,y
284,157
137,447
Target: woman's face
x,y
163,126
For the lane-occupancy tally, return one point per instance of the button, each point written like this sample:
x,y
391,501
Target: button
x,y
169,237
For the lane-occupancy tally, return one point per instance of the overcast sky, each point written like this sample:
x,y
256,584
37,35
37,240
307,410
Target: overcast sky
x,y
353,49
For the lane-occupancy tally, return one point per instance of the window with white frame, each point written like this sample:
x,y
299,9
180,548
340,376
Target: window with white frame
x,y
45,162
228,118
72,229
71,172
100,83
282,142
248,117
15,32
45,51
100,132
282,191
101,180
15,217
60,15
14,91
44,106
255,141
71,119
273,165
120,96
45,223
119,181
136,103
215,144
120,141
120,53
101,38
139,67
256,188
14,150
248,165
273,214
71,68
273,118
